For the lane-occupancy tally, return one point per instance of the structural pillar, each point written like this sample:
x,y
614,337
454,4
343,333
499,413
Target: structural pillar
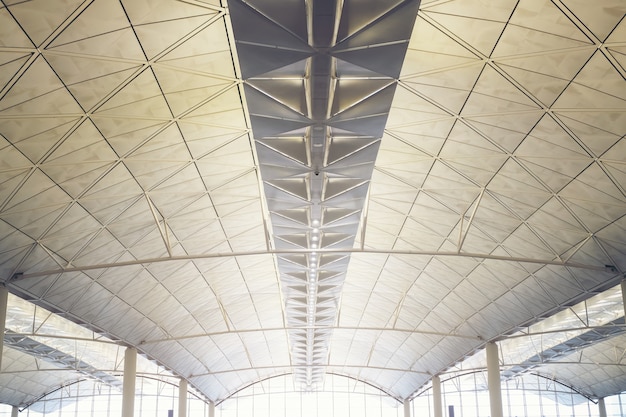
x,y
4,296
211,409
14,411
182,398
437,403
602,407
624,295
130,374
493,379
407,408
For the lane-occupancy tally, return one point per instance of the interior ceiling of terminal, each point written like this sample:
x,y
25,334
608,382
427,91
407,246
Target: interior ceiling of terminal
x,y
373,189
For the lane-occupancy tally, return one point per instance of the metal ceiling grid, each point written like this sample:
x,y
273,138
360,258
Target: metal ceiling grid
x,y
493,146
318,101
153,179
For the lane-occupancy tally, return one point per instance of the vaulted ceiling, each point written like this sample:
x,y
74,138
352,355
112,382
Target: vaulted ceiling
x,y
373,189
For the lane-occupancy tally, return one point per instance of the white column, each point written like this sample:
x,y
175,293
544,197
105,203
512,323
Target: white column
x,y
624,294
130,374
602,407
4,296
407,408
493,379
14,411
437,403
182,398
211,409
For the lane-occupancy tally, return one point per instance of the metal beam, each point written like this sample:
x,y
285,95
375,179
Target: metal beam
x,y
483,256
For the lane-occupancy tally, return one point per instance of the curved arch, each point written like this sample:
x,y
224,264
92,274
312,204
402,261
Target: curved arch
x,y
79,380
234,393
602,268
482,370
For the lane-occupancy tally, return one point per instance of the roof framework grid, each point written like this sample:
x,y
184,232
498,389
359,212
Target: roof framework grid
x,y
363,188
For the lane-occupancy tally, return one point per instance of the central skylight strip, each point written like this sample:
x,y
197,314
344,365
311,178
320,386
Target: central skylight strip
x,y
319,82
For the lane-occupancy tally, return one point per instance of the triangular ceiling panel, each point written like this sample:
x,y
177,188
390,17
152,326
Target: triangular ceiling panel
x,y
594,189
38,91
463,142
185,90
493,93
155,35
100,17
480,34
268,126
201,140
580,96
223,110
10,33
150,175
506,130
140,97
356,15
545,28
428,137
264,104
376,58
184,180
619,55
351,92
29,17
289,92
252,27
38,186
15,160
207,50
167,144
410,108
600,74
75,179
105,45
294,186
376,103
545,88
337,186
10,64
125,135
448,88
258,60
424,55
291,15
294,148
366,125
596,133
342,147
34,222
395,25
600,20
35,137
90,87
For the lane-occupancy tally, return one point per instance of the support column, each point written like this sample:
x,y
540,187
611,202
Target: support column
x,y
407,408
493,379
602,407
211,409
4,296
437,403
130,374
624,294
14,411
182,398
